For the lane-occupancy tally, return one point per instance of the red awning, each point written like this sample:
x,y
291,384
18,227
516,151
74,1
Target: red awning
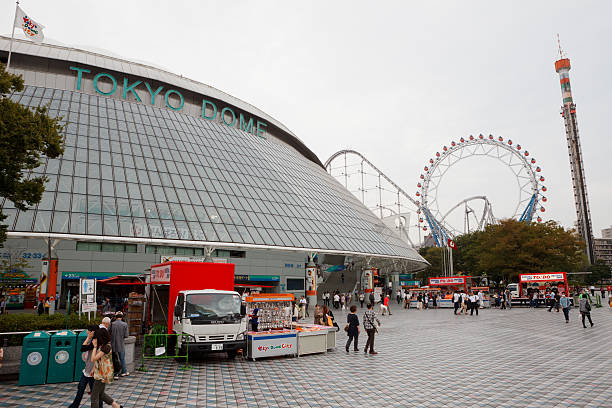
x,y
123,280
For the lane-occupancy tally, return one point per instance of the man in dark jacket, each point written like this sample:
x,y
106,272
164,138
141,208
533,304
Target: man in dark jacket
x,y
119,331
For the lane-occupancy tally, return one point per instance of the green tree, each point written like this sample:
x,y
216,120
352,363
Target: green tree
x,y
599,271
508,248
26,135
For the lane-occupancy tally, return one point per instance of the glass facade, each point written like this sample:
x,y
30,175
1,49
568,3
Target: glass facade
x,y
134,170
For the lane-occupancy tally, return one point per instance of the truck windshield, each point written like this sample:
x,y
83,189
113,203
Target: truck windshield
x,y
213,308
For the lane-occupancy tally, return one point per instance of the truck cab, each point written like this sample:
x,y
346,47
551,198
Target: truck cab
x,y
209,321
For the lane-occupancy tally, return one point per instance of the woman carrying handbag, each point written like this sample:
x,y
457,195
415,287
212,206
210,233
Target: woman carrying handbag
x,y
103,369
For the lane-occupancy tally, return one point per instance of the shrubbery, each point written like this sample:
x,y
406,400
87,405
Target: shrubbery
x,y
22,322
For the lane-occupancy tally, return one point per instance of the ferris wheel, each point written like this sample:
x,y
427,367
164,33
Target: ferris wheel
x,y
528,177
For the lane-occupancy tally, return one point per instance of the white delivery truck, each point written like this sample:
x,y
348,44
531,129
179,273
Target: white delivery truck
x,y
209,321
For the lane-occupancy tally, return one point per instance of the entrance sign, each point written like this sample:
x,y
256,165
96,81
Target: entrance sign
x,y
87,286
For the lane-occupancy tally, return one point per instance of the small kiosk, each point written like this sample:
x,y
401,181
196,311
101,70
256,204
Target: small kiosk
x,y
486,301
541,283
447,285
274,337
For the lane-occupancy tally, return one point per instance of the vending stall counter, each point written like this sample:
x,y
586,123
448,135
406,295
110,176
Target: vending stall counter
x,y
314,338
274,336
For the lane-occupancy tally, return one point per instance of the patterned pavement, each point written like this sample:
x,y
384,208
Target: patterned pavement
x,y
502,358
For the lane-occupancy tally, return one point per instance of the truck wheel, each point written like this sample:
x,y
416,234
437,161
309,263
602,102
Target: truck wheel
x,y
232,354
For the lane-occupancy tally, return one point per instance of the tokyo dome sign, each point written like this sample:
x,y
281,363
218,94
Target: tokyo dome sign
x,y
173,99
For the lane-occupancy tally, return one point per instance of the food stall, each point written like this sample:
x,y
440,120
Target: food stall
x,y
540,283
422,290
274,337
448,285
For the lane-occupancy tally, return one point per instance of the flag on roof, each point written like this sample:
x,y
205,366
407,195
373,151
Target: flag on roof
x,y
31,29
451,244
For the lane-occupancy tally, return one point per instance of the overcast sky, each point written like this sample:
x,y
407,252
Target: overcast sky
x,y
394,80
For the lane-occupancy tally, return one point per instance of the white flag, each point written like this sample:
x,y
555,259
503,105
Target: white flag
x,y
31,28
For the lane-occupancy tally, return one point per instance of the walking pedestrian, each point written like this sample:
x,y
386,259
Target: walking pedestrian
x,y
565,303
40,308
474,304
352,329
2,305
361,298
399,296
386,303
502,297
86,376
303,310
342,300
103,369
456,303
585,310
554,301
342,277
336,300
119,332
47,305
371,298
368,324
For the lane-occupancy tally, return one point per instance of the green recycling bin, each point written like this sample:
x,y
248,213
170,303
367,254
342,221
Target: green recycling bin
x,y
61,357
79,360
34,357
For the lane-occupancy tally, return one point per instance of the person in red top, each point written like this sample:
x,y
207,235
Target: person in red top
x,y
386,303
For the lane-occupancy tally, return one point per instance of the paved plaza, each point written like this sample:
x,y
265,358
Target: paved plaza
x,y
502,358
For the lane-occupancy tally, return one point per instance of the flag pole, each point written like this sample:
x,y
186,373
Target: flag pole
x,y
8,63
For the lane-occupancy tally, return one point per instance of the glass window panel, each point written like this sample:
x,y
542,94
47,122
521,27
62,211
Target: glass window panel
x,y
46,202
158,193
155,228
197,233
65,184
107,172
147,193
108,206
93,186
125,227
79,203
189,212
94,206
107,188
213,215
134,190
110,225
234,234
77,223
121,189
222,233
123,207
150,209
94,224
137,208
164,211
140,227
171,194
183,230
209,231
43,221
60,221
246,237
176,211
62,202
24,221
93,170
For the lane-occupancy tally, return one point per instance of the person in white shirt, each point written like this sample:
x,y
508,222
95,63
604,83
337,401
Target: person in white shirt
x,y
474,300
336,301
456,301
